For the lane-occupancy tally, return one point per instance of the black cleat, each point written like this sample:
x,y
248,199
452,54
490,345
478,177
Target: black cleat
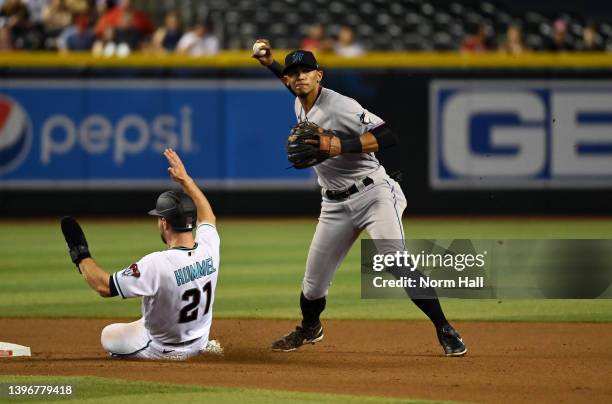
x,y
297,338
451,341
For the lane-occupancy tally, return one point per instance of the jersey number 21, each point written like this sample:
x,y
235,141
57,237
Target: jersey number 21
x,y
190,311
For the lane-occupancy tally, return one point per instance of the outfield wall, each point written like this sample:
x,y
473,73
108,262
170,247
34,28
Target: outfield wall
x,y
479,134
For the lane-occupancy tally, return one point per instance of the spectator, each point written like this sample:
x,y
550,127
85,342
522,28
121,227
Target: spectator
x,y
513,43
56,17
78,6
103,6
5,39
559,40
126,35
113,18
346,46
77,37
591,41
17,21
119,41
167,37
479,40
198,42
105,44
36,9
316,41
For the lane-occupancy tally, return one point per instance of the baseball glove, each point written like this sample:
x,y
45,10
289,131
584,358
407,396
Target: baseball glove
x,y
309,144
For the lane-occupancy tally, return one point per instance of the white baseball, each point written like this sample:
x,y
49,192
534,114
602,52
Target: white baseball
x,y
258,49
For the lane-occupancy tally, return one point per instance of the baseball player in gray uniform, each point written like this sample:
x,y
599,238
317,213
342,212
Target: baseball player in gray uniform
x,y
357,194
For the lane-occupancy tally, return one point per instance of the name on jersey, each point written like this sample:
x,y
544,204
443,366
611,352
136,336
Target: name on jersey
x,y
195,271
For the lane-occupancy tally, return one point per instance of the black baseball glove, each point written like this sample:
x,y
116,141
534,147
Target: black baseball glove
x,y
75,238
309,144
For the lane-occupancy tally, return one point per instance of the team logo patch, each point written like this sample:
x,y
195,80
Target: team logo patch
x,y
297,57
365,118
132,270
15,134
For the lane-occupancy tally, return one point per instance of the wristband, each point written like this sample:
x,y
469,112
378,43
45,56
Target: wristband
x,y
352,145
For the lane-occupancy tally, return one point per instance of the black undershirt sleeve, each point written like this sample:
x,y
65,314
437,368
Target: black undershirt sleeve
x,y
388,152
385,137
112,287
277,69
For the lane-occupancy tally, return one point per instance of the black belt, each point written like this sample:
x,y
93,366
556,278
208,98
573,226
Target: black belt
x,y
181,343
338,195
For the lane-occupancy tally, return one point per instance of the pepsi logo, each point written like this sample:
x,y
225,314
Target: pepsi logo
x,y
15,134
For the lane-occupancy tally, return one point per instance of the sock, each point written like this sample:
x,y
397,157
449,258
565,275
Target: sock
x,y
311,310
425,299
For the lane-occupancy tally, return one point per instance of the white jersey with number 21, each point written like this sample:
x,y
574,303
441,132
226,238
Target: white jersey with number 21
x,y
178,288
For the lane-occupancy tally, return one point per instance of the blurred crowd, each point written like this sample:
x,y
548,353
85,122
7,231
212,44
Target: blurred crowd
x,y
483,39
480,39
104,27
118,27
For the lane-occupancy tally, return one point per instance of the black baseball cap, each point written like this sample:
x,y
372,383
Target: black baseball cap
x,y
300,58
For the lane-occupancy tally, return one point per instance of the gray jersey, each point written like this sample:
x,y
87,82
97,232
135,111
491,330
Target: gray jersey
x,y
348,118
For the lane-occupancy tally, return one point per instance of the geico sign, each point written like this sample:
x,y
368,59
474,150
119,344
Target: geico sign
x,y
495,134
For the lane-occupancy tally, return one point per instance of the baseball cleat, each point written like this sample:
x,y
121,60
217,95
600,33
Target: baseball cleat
x,y
451,341
297,338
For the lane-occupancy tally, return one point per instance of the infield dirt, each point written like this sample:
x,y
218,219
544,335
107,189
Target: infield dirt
x,y
506,362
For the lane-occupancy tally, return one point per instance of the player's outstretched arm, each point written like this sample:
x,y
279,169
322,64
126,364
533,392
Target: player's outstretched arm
x,y
179,174
97,278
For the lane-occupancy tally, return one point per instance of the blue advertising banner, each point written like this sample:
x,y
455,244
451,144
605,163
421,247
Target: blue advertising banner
x,y
494,134
110,134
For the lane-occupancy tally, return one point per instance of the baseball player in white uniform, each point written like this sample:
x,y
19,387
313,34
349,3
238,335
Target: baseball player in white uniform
x,y
177,285
357,194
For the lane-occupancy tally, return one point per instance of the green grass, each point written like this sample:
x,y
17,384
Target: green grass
x,y
100,390
262,263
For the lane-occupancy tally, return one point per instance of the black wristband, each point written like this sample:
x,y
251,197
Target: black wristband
x,y
352,145
78,253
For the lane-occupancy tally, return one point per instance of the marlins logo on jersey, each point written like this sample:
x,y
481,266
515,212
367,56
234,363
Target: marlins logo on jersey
x,y
364,118
15,134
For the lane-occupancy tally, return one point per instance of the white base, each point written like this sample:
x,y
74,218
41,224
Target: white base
x,y
8,350
213,347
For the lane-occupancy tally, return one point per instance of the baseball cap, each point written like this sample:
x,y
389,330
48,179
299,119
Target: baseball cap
x,y
300,58
177,208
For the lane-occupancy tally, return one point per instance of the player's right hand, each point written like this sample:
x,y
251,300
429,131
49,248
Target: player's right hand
x,y
177,169
266,59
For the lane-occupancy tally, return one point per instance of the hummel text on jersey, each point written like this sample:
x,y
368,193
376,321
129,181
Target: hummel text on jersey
x,y
194,271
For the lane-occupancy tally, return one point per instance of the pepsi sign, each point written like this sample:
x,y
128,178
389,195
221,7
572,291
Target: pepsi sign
x,y
15,134
520,134
111,133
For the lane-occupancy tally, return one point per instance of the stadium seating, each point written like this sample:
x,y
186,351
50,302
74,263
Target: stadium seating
x,y
378,24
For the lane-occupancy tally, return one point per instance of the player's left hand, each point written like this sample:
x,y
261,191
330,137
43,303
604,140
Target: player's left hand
x,y
309,144
75,238
328,143
177,170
